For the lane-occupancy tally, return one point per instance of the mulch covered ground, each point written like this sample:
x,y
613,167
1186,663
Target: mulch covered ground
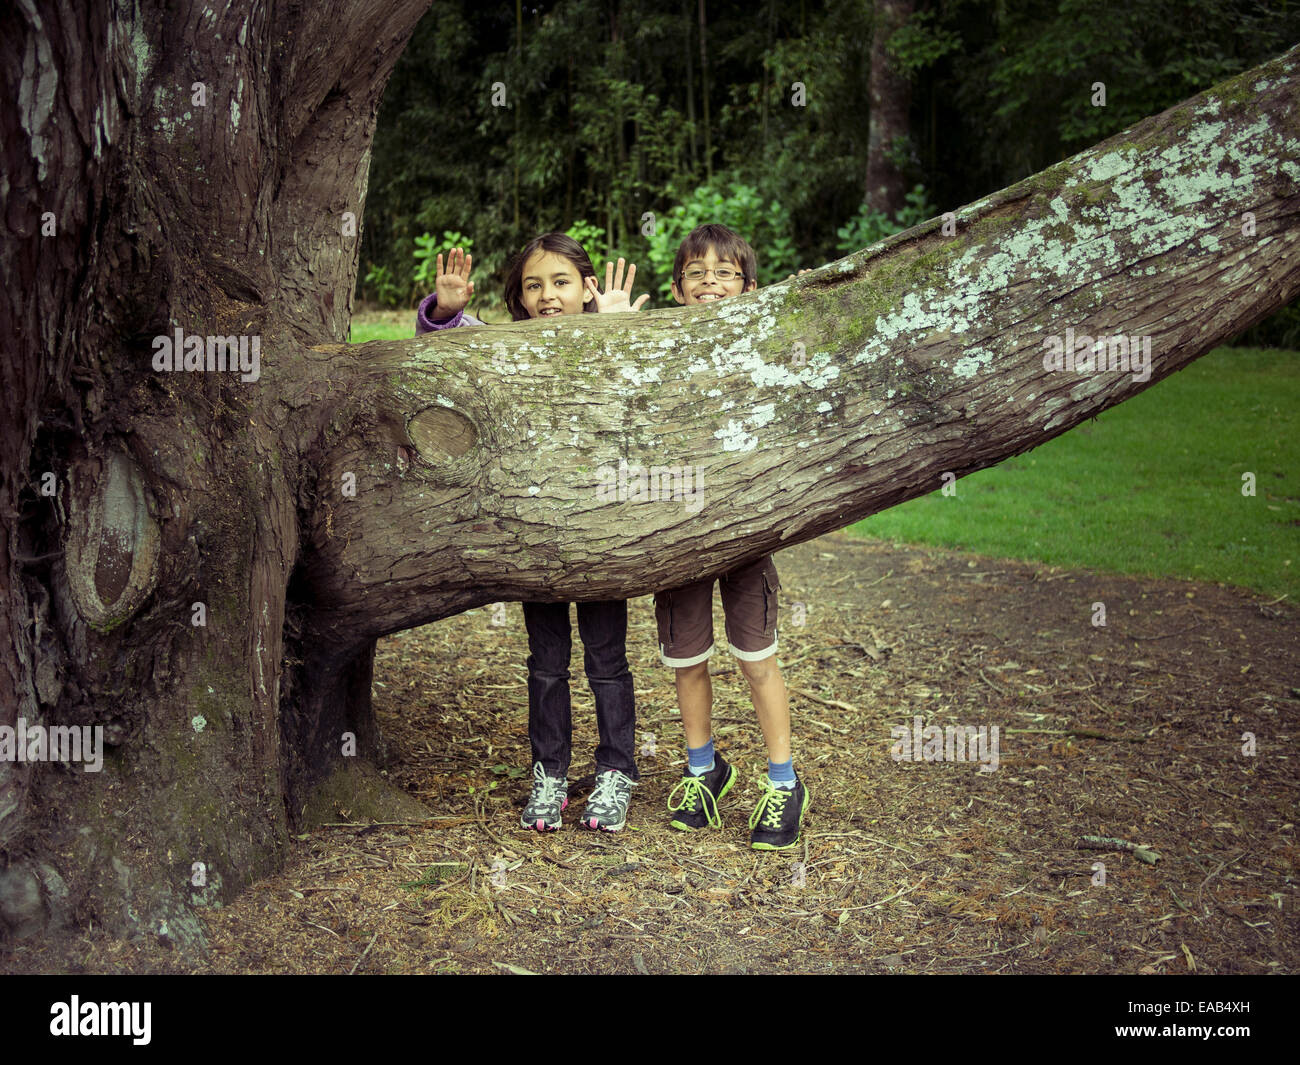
x,y
1132,732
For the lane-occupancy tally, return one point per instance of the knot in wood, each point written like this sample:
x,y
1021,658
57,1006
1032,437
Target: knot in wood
x,y
440,433
112,541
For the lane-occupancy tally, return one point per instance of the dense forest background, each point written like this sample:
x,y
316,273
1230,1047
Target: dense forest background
x,y
626,122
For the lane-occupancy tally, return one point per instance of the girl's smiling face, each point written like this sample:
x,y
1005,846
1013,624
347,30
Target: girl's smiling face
x,y
552,285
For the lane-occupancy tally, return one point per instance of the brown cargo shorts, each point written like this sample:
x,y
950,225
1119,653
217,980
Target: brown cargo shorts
x,y
749,603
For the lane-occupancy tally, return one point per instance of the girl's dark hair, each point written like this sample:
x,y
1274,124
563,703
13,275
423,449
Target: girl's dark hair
x,y
557,244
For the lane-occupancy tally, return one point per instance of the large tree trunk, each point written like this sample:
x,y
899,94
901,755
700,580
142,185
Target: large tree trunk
x,y
200,170
890,94
351,492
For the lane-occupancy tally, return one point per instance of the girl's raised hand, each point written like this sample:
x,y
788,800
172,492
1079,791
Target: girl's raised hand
x,y
453,285
618,292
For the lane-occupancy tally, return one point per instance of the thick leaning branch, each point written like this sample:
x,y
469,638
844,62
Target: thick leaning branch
x,y
810,403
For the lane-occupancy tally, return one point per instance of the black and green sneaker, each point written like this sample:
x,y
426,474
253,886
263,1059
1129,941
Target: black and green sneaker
x,y
774,824
698,805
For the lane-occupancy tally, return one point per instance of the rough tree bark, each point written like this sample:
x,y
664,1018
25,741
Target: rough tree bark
x,y
165,165
890,93
351,492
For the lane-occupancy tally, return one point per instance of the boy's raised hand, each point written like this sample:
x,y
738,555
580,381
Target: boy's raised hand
x,y
453,285
618,292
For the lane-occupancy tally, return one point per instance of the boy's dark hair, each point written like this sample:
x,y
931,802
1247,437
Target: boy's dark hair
x,y
557,244
726,244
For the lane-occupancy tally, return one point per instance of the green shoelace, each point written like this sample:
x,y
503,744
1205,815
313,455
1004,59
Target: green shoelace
x,y
771,806
694,792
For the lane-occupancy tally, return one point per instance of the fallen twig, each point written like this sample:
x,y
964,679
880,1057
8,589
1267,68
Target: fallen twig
x,y
517,970
364,952
881,902
1110,843
1082,733
826,702
323,928
1160,636
395,824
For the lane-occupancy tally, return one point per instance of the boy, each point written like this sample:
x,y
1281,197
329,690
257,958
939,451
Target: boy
x,y
714,263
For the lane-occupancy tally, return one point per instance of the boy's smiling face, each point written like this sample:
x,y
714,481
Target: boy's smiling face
x,y
708,288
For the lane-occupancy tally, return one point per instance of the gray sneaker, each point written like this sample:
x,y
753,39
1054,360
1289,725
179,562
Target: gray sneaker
x,y
607,808
549,798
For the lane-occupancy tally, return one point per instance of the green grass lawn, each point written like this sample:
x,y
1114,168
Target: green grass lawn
x,y
382,325
370,325
1153,486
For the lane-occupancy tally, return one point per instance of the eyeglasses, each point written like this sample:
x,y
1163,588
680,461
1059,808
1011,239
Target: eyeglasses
x,y
722,273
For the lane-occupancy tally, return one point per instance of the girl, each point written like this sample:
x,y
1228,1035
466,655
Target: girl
x,y
551,276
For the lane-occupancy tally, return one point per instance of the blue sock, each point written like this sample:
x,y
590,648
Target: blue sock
x,y
700,759
781,773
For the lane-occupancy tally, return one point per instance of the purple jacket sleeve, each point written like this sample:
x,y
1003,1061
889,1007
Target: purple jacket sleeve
x,y
425,323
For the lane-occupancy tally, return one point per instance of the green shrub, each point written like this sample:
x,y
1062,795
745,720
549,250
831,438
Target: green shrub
x,y
867,227
767,228
1279,330
588,235
380,288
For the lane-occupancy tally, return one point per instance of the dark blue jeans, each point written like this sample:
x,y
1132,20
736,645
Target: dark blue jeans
x,y
603,628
